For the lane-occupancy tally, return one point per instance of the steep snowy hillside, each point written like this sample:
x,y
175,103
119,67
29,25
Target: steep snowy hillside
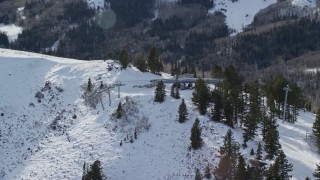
x,y
11,30
48,130
240,13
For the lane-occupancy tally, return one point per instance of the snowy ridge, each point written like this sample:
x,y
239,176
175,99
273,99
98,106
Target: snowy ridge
x,y
240,13
11,30
303,3
34,147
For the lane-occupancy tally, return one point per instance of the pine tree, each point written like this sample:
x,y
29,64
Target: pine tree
x,y
124,59
172,91
259,152
140,63
119,111
183,112
89,86
316,129
271,143
177,94
317,172
196,140
225,168
216,112
280,169
252,152
229,154
109,55
230,146
153,61
273,172
207,173
200,96
160,92
95,172
241,171
285,166
228,112
198,175
253,117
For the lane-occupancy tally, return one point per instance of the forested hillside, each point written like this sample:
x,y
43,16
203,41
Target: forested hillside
x,y
197,34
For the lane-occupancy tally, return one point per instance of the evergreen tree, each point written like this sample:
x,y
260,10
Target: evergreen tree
x,y
200,96
316,129
217,71
273,171
285,166
160,92
228,112
119,111
172,91
280,169
124,59
196,140
259,152
89,86
229,154
253,117
252,152
232,86
95,172
271,143
154,64
177,94
198,175
225,168
4,41
207,173
216,112
241,171
140,63
183,112
109,55
317,172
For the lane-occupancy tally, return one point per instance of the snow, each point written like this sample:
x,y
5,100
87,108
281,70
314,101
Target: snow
x,y
96,3
312,70
298,148
240,13
11,30
303,3
31,149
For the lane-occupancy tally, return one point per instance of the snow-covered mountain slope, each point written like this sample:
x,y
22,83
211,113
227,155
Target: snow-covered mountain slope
x,y
52,135
303,3
240,13
11,30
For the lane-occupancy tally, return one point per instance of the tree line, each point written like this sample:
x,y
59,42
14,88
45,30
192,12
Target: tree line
x,y
285,42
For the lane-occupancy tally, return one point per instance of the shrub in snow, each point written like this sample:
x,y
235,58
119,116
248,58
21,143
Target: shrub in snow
x,y
132,121
39,95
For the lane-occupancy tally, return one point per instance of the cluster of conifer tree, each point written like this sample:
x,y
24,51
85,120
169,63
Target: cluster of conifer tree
x,y
250,106
83,42
94,172
286,42
206,3
4,41
131,12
